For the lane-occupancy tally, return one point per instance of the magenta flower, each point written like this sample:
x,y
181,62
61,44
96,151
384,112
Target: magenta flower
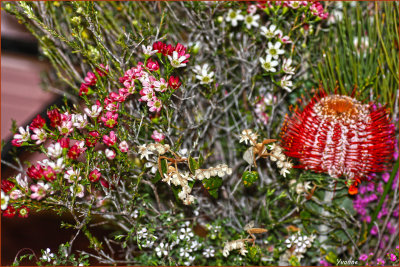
x,y
110,119
393,257
152,65
110,140
363,257
90,78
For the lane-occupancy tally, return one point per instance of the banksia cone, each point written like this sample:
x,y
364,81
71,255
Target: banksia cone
x,y
341,136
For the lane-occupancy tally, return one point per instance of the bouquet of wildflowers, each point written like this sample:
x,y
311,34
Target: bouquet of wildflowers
x,y
213,133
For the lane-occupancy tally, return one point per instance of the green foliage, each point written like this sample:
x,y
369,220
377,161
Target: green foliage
x,y
249,177
361,51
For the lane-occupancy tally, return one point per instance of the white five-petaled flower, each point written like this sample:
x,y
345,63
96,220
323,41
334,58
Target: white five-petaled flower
x,y
286,66
270,32
4,200
57,166
251,20
47,256
148,50
72,175
186,234
23,134
209,252
144,152
176,60
94,112
40,135
274,50
234,16
79,120
54,150
204,74
79,190
22,182
303,187
162,250
247,135
286,83
268,64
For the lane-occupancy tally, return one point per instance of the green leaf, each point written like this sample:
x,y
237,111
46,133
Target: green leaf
x,y
212,184
164,165
249,177
156,178
193,165
331,257
201,160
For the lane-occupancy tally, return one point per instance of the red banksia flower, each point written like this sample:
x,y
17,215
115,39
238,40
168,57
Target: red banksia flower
x,y
341,136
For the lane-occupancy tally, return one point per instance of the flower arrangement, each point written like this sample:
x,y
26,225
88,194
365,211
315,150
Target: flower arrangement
x,y
193,133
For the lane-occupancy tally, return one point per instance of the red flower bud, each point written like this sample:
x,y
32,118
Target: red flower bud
x,y
55,117
152,65
35,172
49,174
174,82
38,122
92,139
159,46
104,182
74,152
84,89
6,185
64,142
9,212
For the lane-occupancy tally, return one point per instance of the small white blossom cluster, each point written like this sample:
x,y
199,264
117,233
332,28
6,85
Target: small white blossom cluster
x,y
146,150
232,245
147,239
280,158
300,243
220,170
301,188
179,178
270,62
248,137
251,19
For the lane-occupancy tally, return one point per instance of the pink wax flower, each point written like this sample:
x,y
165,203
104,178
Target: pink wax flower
x,y
158,137
110,140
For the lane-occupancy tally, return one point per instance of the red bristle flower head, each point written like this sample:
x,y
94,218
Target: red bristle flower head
x,y
341,136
